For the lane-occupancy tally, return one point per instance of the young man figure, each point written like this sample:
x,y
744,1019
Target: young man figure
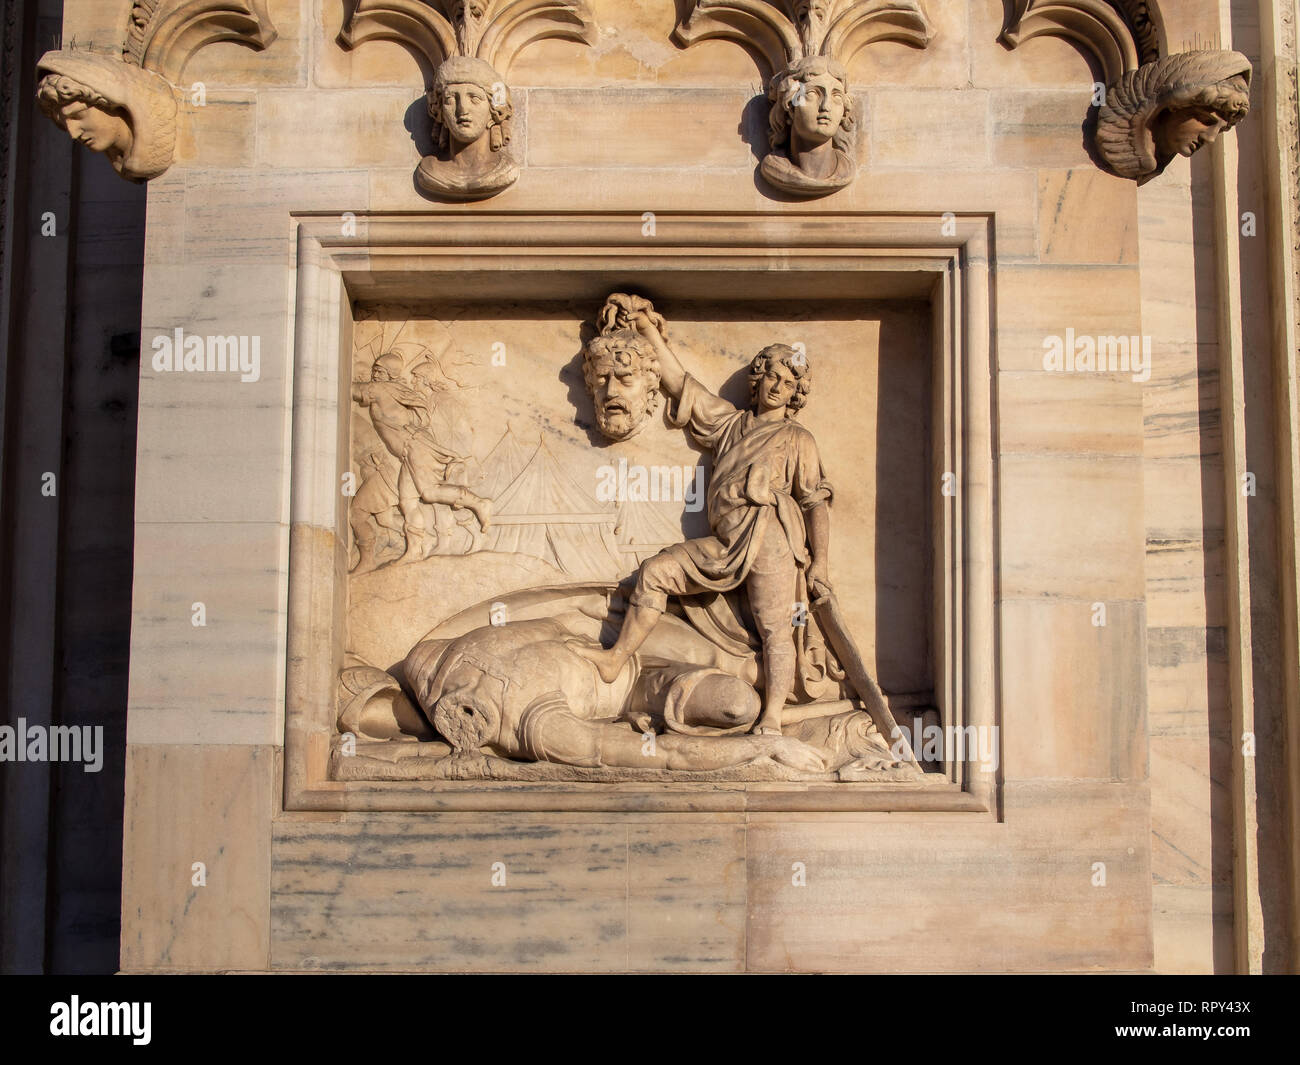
x,y
768,509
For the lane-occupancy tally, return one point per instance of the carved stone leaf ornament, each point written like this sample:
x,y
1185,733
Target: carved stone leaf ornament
x,y
802,47
494,31
125,104
469,45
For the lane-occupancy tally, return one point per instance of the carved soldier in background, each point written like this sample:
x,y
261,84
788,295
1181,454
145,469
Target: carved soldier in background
x,y
768,506
471,110
373,507
810,128
400,417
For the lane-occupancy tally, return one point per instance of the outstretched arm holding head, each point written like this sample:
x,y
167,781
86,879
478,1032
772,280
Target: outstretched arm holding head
x,y
671,373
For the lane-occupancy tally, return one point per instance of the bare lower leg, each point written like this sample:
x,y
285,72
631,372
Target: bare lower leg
x,y
609,664
778,681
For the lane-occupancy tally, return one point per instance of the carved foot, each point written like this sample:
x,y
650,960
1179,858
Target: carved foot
x,y
366,560
366,564
481,508
641,722
414,550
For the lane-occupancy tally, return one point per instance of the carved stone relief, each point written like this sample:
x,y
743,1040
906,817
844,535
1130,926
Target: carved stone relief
x,y
576,633
412,457
123,103
469,45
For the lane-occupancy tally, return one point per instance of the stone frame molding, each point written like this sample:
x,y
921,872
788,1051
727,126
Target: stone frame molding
x,y
395,256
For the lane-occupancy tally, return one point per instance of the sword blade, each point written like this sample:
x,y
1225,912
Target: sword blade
x,y
827,610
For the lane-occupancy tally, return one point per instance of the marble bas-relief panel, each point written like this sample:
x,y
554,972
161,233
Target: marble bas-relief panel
x,y
523,477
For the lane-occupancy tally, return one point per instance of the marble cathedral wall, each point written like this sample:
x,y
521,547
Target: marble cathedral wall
x,y
702,486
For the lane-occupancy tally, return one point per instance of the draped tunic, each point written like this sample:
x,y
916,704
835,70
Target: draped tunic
x,y
752,456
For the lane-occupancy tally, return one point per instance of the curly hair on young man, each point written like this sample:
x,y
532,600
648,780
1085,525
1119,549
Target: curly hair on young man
x,y
784,355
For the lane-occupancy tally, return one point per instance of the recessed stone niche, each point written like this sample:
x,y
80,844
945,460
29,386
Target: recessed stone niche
x,y
487,317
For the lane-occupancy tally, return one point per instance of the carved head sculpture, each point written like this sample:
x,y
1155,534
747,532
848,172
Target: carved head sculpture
x,y
388,367
469,99
1169,108
622,375
780,376
811,102
110,106
810,128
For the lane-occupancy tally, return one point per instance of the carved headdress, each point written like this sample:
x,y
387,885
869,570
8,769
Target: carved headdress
x,y
144,99
466,70
1215,81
